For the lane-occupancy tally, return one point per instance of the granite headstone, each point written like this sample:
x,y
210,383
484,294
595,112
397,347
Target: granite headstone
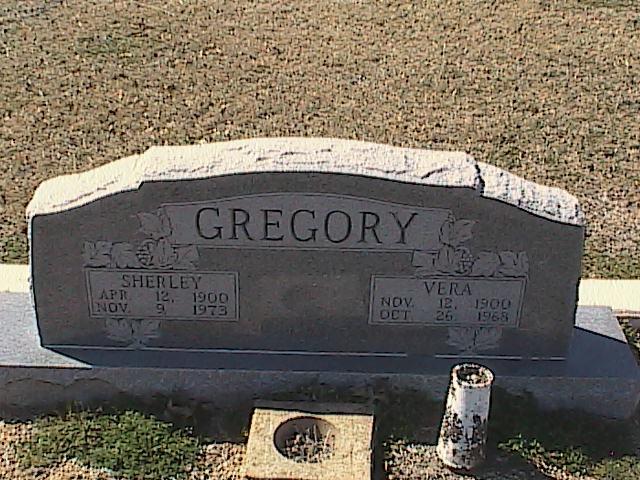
x,y
318,246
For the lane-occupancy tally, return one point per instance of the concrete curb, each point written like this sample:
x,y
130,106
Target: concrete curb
x,y
620,295
14,278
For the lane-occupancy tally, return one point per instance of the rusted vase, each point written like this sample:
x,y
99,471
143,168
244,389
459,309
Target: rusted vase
x,y
463,433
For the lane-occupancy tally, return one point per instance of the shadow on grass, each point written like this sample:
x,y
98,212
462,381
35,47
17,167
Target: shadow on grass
x,y
568,440
521,434
206,421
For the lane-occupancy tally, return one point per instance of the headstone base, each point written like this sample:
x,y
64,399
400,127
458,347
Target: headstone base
x,y
599,375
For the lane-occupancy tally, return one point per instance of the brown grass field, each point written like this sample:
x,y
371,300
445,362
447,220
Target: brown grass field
x,y
549,90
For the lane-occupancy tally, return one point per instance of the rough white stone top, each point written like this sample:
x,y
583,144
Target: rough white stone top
x,y
323,155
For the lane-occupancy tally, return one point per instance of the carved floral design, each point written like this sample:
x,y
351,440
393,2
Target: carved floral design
x,y
135,333
474,339
454,259
154,252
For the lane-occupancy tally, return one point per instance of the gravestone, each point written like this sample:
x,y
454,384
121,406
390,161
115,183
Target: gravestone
x,y
306,246
235,270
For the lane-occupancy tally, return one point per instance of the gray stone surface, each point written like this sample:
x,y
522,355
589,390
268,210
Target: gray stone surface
x,y
305,245
600,374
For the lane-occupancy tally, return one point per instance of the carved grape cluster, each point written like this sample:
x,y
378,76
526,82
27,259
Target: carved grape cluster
x,y
454,259
154,252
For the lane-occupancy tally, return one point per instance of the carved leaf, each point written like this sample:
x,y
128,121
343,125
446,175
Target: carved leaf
x,y
461,338
155,225
88,252
513,265
487,338
446,259
462,260
486,264
118,329
446,231
523,263
150,224
96,254
123,256
186,257
145,330
461,232
164,254
135,333
166,229
469,339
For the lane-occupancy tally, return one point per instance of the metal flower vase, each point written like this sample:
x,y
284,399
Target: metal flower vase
x,y
463,433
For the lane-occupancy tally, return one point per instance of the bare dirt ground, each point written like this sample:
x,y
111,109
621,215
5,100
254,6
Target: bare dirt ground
x,y
546,89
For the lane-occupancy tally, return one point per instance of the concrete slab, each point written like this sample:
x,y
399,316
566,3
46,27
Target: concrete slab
x,y
599,375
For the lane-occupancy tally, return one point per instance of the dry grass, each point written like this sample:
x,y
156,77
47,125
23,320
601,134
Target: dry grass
x,y
420,461
223,461
219,461
547,89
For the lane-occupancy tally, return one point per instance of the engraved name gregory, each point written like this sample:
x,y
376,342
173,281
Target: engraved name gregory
x,y
473,294
305,220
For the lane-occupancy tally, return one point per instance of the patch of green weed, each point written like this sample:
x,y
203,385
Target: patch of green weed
x,y
625,468
129,444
